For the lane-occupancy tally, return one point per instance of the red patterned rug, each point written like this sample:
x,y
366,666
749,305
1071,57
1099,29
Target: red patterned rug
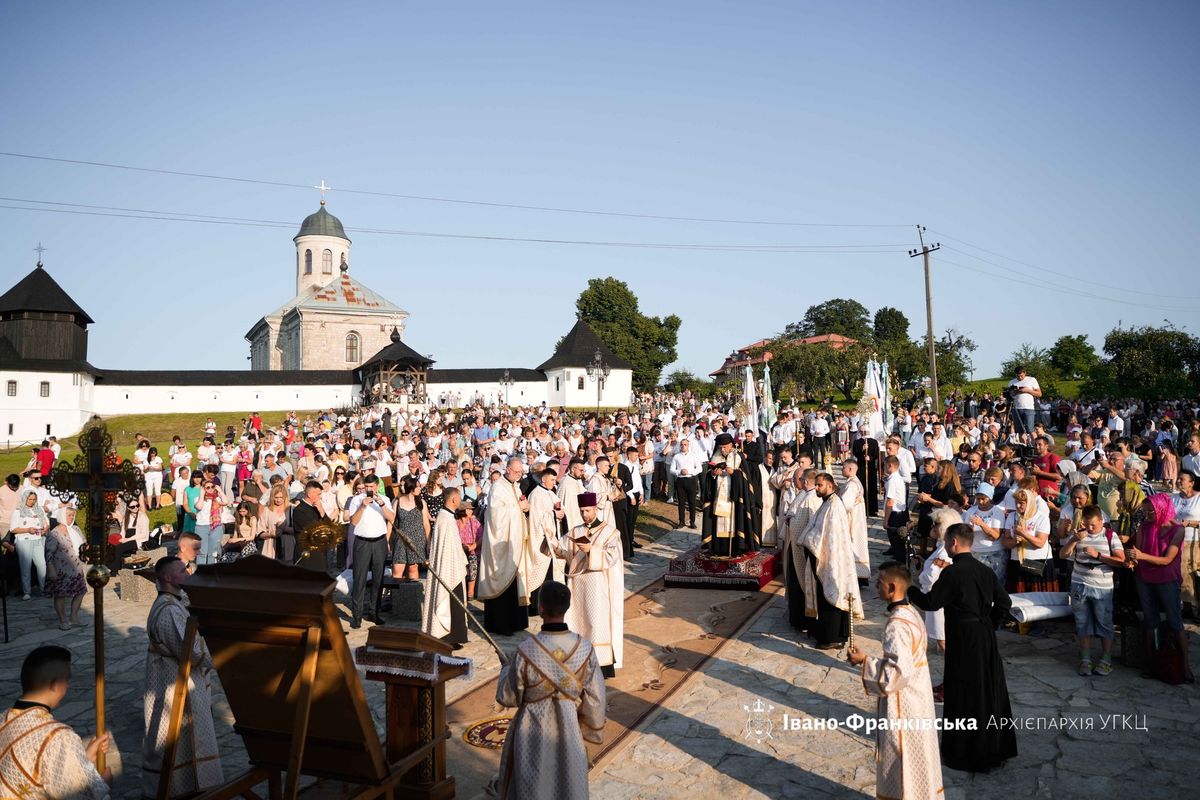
x,y
751,571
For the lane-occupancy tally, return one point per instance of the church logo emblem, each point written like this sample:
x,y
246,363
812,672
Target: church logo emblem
x,y
758,721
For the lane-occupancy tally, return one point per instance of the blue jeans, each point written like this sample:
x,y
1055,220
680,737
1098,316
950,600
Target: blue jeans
x,y
1093,610
210,543
31,552
1160,598
1023,420
997,562
647,479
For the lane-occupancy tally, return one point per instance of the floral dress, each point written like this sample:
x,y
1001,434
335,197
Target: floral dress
x,y
64,570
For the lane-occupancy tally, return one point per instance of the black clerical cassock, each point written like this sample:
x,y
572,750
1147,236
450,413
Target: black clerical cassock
x,y
866,453
975,687
730,521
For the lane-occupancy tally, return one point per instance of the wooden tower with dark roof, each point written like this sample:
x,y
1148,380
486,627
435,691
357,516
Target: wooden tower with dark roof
x,y
40,321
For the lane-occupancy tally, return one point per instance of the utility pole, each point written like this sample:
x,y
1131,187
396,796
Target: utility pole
x,y
933,380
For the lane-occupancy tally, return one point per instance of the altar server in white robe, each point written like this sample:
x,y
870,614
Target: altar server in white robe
x,y
907,763
852,497
545,525
41,759
443,618
801,505
596,576
555,683
504,575
830,584
569,489
197,758
768,530
602,487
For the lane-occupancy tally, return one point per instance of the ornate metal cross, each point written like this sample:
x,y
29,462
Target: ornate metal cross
x,y
323,188
39,250
96,480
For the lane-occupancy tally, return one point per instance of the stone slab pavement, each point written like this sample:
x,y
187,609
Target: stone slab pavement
x,y
698,745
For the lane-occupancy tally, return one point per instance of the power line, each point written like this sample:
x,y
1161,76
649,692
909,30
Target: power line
x,y
1047,269
172,216
458,201
1052,287
1083,292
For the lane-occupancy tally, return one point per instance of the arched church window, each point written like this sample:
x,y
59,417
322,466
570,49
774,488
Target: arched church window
x,y
352,348
327,262
308,262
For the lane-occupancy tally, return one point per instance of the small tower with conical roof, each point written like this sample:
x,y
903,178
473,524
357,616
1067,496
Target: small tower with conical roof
x,y
322,247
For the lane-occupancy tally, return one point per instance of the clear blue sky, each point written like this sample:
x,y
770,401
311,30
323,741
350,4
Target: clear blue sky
x,y
1061,134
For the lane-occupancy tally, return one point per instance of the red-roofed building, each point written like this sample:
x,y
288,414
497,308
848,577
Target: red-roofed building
x,y
739,358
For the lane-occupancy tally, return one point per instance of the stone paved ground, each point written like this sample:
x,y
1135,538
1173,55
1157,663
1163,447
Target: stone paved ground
x,y
695,747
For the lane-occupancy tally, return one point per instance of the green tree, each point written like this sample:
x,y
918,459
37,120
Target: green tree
x,y
1153,363
954,350
683,380
1035,360
906,360
890,326
847,317
611,308
1073,356
815,370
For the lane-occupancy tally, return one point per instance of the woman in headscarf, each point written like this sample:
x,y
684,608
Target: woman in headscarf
x,y
1031,567
28,526
64,570
1156,557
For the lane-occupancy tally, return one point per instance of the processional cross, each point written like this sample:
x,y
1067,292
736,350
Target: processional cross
x,y
96,480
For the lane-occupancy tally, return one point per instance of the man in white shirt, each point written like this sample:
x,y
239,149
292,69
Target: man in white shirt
x,y
908,464
685,468
1024,391
1114,424
371,514
819,430
1191,461
895,507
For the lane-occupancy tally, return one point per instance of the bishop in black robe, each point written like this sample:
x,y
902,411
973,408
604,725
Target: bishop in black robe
x,y
975,688
743,536
866,453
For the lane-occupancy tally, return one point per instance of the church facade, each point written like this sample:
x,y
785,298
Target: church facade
x,y
333,321
308,354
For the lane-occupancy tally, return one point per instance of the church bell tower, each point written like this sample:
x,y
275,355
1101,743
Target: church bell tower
x,y
321,248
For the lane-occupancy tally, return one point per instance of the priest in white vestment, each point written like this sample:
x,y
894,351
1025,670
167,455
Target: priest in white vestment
x,y
197,757
856,506
545,525
40,758
554,681
596,577
830,582
907,761
504,568
441,617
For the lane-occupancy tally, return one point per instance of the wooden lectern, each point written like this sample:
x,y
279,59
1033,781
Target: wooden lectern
x,y
416,702
294,690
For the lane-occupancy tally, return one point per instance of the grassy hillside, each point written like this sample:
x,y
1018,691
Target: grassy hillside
x,y
159,428
1068,389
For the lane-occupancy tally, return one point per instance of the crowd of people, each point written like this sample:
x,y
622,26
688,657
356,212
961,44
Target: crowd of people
x,y
533,510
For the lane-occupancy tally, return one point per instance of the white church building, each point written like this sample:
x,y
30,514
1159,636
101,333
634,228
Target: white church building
x,y
328,347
